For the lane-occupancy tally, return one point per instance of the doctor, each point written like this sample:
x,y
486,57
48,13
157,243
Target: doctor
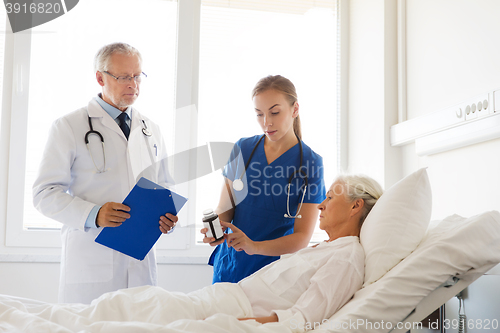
x,y
92,160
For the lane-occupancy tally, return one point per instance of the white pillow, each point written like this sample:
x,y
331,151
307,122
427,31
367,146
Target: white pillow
x,y
452,248
396,224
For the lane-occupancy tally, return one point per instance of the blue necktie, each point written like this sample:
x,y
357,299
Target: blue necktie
x,y
123,124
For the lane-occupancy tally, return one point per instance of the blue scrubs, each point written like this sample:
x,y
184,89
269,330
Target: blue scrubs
x,y
262,204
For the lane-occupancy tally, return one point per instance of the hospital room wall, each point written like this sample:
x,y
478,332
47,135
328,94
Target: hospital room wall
x,y
452,54
40,281
372,90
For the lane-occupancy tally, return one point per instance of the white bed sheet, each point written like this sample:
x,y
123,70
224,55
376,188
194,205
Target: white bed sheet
x,y
454,247
152,310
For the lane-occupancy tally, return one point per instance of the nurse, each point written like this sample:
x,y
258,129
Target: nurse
x,y
92,160
273,183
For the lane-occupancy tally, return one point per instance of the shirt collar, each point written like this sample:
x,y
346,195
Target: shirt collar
x,y
110,109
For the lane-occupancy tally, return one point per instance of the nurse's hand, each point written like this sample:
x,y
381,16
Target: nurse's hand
x,y
168,222
211,240
112,214
239,240
270,319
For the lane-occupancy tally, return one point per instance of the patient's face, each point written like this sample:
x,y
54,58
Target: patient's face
x,y
335,209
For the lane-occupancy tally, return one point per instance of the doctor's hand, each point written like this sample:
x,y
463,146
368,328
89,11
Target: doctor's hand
x,y
211,240
239,240
168,222
112,214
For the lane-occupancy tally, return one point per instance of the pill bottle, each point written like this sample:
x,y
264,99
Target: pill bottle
x,y
212,223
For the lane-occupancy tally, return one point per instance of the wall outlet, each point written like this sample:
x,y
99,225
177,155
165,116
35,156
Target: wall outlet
x,y
477,107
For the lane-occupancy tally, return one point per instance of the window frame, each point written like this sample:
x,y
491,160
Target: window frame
x,y
16,77
182,248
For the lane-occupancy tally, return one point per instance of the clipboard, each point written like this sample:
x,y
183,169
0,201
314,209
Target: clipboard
x,y
137,235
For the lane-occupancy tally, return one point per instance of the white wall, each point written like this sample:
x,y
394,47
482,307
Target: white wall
x,y
452,48
453,55
372,101
366,83
452,51
40,281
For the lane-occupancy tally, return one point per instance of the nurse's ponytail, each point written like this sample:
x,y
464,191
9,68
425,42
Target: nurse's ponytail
x,y
296,127
284,86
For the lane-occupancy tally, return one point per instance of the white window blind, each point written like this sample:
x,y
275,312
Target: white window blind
x,y
62,77
298,7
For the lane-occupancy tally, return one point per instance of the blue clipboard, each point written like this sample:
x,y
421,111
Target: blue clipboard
x,y
137,235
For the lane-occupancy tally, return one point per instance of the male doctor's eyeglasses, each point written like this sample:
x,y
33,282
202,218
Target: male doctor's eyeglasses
x,y
127,79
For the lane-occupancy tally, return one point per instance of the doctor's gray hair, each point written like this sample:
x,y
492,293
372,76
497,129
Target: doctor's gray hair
x,y
102,57
361,187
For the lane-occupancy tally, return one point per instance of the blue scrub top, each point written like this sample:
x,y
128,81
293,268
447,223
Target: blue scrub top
x,y
262,204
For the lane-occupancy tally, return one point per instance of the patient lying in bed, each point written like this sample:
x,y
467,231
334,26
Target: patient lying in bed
x,y
314,283
305,287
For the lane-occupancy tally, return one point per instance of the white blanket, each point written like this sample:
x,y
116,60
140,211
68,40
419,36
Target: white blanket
x,y
302,289
136,310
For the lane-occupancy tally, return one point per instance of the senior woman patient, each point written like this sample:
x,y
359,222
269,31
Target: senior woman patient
x,y
315,282
305,287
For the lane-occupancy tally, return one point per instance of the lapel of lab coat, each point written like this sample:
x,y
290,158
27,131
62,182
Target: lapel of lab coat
x,y
136,123
139,158
96,111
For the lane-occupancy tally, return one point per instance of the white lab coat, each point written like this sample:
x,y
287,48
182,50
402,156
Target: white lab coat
x,y
68,186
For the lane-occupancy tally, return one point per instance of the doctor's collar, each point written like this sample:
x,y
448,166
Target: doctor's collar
x,y
110,109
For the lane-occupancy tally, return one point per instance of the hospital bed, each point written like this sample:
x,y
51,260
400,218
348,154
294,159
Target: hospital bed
x,y
453,254
412,268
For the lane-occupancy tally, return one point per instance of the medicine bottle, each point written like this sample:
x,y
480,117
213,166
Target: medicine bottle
x,y
212,223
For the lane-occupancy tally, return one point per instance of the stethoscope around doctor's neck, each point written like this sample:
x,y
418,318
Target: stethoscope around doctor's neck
x,y
145,131
238,183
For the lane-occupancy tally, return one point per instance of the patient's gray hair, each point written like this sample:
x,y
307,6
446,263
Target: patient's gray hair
x,y
361,187
102,57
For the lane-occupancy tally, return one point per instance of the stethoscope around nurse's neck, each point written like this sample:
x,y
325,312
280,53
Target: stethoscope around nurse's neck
x,y
238,183
145,131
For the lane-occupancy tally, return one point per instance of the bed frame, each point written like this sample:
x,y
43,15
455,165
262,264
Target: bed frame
x,y
441,295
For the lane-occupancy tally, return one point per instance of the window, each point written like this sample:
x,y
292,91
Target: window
x,y
239,42
68,63
243,41
61,56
